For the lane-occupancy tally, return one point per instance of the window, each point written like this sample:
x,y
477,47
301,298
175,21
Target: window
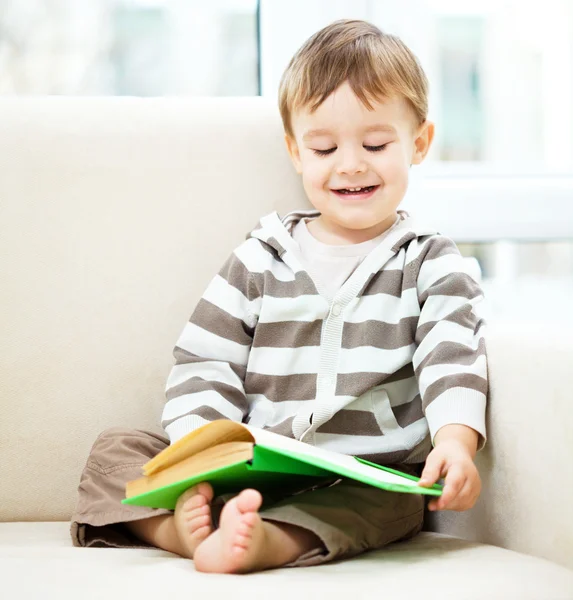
x,y
129,47
499,178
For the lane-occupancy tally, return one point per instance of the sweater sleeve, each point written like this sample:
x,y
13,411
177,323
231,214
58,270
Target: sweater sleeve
x,y
450,359
211,354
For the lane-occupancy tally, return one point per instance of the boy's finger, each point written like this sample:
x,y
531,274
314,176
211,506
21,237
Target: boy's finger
x,y
432,471
455,481
459,502
466,498
433,505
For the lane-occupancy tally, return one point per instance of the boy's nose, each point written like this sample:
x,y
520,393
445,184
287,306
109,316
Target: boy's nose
x,y
350,164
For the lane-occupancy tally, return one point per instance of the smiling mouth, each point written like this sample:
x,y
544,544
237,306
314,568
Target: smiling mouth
x,y
354,192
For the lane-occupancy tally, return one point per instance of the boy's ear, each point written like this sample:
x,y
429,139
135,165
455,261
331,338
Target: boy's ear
x,y
422,142
294,154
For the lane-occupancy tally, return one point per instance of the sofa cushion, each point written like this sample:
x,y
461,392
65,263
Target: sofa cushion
x,y
37,560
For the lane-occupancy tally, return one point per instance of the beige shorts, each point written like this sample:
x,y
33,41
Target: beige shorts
x,y
348,517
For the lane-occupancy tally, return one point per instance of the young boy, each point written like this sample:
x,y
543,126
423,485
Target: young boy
x,y
350,327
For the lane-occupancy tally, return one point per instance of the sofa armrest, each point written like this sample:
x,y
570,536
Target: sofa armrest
x,y
526,465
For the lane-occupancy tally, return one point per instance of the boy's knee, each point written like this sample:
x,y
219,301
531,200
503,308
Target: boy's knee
x,y
124,441
116,432
120,439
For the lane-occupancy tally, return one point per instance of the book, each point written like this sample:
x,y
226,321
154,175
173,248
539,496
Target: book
x,y
233,456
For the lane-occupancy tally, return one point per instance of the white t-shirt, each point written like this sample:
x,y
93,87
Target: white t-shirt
x,y
330,266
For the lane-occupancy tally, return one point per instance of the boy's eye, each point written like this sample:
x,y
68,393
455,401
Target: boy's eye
x,y
375,148
369,148
324,152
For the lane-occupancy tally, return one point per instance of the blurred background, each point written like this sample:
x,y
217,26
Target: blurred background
x,y
501,94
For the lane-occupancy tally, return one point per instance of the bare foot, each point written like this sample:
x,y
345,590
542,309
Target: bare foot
x,y
245,543
193,517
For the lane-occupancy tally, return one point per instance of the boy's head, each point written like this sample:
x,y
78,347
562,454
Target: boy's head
x,y
345,81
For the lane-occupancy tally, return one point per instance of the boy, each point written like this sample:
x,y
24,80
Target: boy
x,y
350,327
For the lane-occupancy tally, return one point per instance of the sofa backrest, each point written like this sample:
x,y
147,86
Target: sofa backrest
x,y
114,215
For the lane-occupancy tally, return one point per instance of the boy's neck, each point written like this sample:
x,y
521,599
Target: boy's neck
x,y
334,235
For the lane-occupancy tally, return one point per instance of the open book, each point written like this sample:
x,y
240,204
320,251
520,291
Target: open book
x,y
232,456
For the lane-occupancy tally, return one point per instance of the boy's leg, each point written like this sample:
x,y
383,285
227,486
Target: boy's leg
x,y
244,543
324,524
101,520
116,457
308,528
182,531
349,518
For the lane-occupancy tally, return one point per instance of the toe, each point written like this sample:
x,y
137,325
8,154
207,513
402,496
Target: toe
x,y
250,519
195,503
196,496
206,490
249,501
199,521
241,544
197,512
187,496
244,530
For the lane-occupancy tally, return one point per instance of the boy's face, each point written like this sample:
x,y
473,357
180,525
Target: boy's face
x,y
358,155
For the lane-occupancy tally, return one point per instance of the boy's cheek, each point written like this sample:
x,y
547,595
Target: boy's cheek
x,y
317,181
395,163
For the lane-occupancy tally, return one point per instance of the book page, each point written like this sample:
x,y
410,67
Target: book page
x,y
212,458
302,449
211,434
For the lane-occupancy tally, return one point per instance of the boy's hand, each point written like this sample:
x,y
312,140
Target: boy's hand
x,y
452,457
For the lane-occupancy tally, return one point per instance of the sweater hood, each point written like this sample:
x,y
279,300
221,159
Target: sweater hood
x,y
276,232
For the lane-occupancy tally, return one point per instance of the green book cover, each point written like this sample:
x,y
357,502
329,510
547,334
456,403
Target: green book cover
x,y
281,463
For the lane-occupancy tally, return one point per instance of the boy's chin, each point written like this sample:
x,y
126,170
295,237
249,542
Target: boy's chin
x,y
360,222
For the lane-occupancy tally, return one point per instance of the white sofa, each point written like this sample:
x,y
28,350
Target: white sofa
x,y
114,215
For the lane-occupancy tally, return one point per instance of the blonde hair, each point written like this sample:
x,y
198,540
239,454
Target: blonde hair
x,y
378,66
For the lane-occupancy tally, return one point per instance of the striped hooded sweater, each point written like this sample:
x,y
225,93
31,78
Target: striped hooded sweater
x,y
398,353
